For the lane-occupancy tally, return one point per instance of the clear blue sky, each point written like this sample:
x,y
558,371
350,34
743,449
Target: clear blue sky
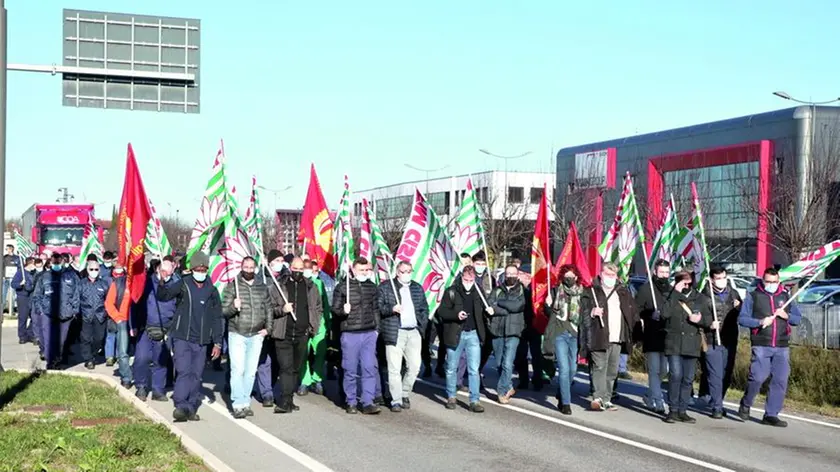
x,y
364,87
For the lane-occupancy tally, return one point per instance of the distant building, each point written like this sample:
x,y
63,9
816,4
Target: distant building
x,y
286,233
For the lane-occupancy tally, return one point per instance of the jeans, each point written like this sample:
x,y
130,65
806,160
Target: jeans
x,y
243,357
111,339
565,356
767,361
657,363
151,362
622,363
604,372
359,348
470,344
716,360
93,332
122,352
504,348
408,347
680,383
189,368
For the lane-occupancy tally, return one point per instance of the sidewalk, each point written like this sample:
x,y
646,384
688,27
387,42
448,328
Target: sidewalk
x,y
227,444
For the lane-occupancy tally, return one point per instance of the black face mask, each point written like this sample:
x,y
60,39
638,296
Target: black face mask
x,y
248,275
661,283
569,281
511,281
686,290
297,276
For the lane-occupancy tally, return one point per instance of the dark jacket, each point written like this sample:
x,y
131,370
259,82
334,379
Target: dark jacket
x,y
92,299
682,337
281,318
23,282
556,326
727,315
451,304
36,307
186,294
57,295
760,304
508,305
594,337
256,311
151,311
364,305
389,324
653,336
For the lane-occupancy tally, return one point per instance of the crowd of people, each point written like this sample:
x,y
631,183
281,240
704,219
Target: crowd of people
x,y
286,328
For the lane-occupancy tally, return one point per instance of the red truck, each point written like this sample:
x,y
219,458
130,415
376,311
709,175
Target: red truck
x,y
58,227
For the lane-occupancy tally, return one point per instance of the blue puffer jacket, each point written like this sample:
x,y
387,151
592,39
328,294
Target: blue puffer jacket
x,y
92,299
57,294
151,311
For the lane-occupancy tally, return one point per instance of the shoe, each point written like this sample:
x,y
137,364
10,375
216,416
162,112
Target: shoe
x,y
302,391
379,401
476,407
683,417
249,411
127,385
565,409
670,418
774,421
350,410
180,415
396,408
625,376
110,362
239,413
744,413
659,410
159,397
89,365
503,400
451,404
610,406
295,407
268,402
22,341
282,409
717,415
371,410
142,394
406,404
317,388
194,417
597,405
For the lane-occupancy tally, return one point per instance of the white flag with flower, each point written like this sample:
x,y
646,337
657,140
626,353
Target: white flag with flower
x,y
427,247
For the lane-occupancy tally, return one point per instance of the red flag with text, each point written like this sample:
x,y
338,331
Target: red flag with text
x,y
540,265
316,226
134,216
572,254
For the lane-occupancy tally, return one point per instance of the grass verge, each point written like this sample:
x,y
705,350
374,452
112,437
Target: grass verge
x,y
57,422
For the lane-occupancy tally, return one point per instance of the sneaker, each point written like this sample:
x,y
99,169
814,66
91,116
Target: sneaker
x,y
371,410
268,402
317,388
503,400
159,397
717,415
683,417
249,411
283,407
476,407
744,413
89,365
179,415
302,391
406,404
142,394
565,409
110,362
451,404
610,406
660,410
597,405
351,410
774,421
396,408
239,413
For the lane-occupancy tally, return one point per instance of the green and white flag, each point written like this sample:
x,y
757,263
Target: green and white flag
x,y
372,245
468,233
427,248
90,244
701,264
343,234
813,262
24,247
208,232
156,241
626,232
665,243
254,221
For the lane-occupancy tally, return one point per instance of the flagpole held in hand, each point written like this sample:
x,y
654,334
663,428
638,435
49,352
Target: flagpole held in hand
x,y
714,311
595,299
277,285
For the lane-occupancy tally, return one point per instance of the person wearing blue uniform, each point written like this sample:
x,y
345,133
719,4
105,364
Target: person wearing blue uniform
x,y
92,291
57,292
23,284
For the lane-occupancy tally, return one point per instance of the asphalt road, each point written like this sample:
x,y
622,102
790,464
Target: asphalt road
x,y
528,434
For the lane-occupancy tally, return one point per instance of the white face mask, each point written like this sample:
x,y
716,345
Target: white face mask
x,y
608,282
199,276
107,264
362,277
480,269
276,268
405,279
720,284
771,288
468,286
307,273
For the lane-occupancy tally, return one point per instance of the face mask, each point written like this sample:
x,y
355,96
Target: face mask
x,y
608,282
362,278
468,286
480,269
92,274
511,281
57,267
199,276
720,284
771,288
247,276
686,290
569,281
39,269
405,279
307,273
297,276
108,264
276,268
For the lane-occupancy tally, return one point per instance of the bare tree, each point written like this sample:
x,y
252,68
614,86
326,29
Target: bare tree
x,y
177,231
12,224
271,238
508,222
392,212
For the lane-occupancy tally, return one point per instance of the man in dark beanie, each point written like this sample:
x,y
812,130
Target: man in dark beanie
x,y
267,369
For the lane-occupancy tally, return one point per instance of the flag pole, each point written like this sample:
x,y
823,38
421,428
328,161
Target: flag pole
x,y
277,285
548,249
803,287
595,299
706,260
649,276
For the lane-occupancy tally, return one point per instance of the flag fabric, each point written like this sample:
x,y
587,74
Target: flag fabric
x,y
665,244
254,221
316,226
156,241
90,244
812,263
572,254
131,231
226,260
344,234
702,260
24,247
540,265
626,232
205,234
468,233
372,245
427,248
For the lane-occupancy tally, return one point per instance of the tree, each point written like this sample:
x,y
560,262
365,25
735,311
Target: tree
x,y
508,224
178,232
392,214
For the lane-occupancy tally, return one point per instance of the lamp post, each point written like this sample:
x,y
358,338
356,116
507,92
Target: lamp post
x,y
275,192
428,172
506,159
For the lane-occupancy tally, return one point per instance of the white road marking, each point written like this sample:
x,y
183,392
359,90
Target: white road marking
x,y
595,432
270,439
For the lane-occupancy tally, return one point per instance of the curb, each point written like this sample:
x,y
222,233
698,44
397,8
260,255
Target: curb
x,y
211,461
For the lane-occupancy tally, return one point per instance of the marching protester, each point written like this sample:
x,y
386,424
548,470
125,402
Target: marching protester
x,y
267,371
563,309
505,327
404,314
117,305
57,296
530,344
246,306
356,312
651,303
92,293
314,367
152,320
297,312
196,325
462,312
610,316
769,316
686,315
720,357
38,318
23,285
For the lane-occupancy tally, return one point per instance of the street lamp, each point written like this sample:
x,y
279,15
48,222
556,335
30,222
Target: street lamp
x,y
506,159
788,97
275,192
427,171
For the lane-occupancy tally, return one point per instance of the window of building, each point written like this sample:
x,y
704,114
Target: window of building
x,y
536,194
516,194
439,202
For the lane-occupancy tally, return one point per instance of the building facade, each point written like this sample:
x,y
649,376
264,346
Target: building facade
x,y
287,228
735,164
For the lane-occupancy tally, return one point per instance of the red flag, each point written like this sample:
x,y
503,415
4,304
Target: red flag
x,y
316,226
540,265
572,254
134,217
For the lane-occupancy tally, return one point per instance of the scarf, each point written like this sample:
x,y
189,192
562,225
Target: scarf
x,y
570,305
